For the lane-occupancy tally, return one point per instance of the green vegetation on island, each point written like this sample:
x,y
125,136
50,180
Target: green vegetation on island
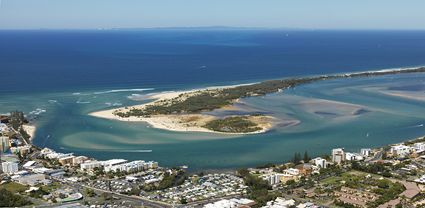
x,y
233,124
208,100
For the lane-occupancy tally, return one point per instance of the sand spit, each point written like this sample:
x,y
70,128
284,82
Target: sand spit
x,y
181,122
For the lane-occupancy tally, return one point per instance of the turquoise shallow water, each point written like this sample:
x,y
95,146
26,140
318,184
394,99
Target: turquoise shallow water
x,y
45,69
350,113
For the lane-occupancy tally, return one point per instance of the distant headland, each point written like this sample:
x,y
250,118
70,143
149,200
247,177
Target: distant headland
x,y
186,110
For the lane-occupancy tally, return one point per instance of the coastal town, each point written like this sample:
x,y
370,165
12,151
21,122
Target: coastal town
x,y
390,176
212,104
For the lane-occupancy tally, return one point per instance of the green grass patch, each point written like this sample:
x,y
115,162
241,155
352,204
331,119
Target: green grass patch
x,y
51,187
352,180
14,187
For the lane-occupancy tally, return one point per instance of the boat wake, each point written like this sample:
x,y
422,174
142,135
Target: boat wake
x,y
83,102
415,126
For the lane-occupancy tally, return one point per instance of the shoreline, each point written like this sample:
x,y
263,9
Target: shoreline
x,y
30,129
175,122
171,123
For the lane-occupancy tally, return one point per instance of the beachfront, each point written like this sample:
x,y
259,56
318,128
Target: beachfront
x,y
180,122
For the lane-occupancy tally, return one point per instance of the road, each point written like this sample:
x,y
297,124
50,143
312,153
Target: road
x,y
135,199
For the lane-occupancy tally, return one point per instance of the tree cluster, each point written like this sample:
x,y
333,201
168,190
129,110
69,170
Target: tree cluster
x,y
17,119
9,199
297,158
258,189
234,124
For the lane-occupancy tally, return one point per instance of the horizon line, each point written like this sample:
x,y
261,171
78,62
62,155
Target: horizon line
x,y
215,28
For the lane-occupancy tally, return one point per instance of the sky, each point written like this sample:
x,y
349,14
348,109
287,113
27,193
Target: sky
x,y
298,14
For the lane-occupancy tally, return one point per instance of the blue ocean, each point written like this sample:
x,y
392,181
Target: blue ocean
x,y
59,76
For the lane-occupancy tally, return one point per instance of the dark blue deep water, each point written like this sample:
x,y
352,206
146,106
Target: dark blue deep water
x,y
65,60
61,76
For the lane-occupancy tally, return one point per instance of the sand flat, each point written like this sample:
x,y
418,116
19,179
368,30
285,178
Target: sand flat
x,y
180,122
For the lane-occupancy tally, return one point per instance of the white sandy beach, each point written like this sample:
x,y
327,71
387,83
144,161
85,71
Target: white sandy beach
x,y
181,123
30,130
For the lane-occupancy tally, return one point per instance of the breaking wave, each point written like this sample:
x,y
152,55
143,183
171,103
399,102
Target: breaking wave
x,y
123,90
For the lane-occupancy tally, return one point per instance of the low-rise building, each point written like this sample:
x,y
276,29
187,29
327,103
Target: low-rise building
x,y
56,173
78,160
22,150
29,164
280,202
419,147
57,155
90,165
319,162
66,160
307,205
32,180
207,187
420,180
231,203
402,150
292,171
349,156
133,166
112,162
355,197
46,151
305,168
3,127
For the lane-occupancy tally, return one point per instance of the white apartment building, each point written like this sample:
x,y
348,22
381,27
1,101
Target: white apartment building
x,y
292,171
419,147
319,162
4,143
338,155
9,167
280,203
90,165
402,150
366,152
133,166
353,156
272,179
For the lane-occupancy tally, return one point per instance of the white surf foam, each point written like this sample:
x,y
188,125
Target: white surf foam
x,y
113,104
37,111
123,90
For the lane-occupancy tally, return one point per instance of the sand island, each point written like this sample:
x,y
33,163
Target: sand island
x,y
187,110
